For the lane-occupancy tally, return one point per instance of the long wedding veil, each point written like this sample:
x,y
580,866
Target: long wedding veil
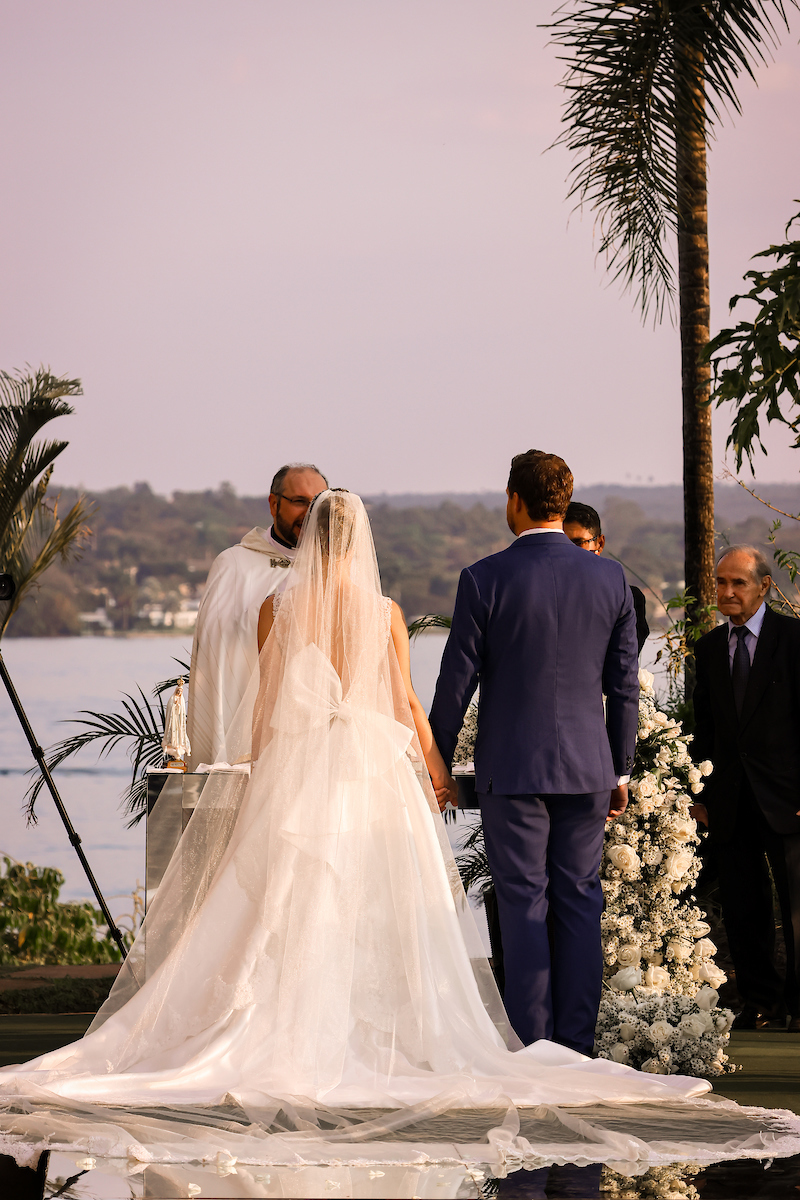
x,y
302,990
321,835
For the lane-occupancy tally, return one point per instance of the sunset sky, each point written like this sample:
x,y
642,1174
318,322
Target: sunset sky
x,y
330,230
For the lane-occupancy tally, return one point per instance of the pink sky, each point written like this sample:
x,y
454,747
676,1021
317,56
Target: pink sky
x,y
328,229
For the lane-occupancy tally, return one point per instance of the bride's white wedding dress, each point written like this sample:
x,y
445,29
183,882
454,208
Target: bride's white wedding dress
x,y
309,977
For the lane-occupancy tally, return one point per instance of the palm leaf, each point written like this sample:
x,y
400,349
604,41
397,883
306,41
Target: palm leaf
x,y
27,404
35,536
139,727
472,863
639,73
429,621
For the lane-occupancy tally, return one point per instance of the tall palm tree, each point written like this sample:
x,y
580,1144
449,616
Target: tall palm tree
x,y
645,82
32,534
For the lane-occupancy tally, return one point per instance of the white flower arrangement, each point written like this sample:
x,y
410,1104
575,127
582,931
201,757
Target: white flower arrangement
x,y
656,1183
660,1009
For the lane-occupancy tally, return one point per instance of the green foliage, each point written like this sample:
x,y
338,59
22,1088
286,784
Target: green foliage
x,y
140,725
638,74
32,534
757,363
680,638
36,928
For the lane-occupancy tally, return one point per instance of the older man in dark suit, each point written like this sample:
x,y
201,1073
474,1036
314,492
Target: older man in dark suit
x,y
747,721
547,630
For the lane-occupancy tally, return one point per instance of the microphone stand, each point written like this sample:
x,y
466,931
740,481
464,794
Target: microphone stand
x,y
38,754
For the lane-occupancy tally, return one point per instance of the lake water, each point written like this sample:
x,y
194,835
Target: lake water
x,y
57,677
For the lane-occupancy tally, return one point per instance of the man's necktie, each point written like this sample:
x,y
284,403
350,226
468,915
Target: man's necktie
x,y
741,667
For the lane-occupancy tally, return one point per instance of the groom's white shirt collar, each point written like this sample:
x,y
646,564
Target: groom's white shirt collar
x,y
527,531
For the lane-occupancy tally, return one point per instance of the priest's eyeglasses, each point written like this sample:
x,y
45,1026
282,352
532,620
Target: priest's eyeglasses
x,y
303,502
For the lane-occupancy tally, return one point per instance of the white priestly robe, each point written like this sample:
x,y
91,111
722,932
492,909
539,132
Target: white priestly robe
x,y
225,647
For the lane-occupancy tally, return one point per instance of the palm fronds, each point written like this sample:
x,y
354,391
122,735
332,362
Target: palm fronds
x,y
27,403
32,535
639,73
140,727
35,536
429,621
472,863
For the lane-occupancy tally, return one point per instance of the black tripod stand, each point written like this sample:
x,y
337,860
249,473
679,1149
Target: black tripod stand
x,y
6,592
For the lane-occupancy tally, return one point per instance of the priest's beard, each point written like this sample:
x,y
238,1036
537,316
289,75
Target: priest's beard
x,y
287,531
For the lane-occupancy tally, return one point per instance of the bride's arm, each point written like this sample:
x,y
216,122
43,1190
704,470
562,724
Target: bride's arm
x,y
265,618
443,783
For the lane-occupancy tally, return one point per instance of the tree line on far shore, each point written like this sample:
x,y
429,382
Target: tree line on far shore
x,y
149,553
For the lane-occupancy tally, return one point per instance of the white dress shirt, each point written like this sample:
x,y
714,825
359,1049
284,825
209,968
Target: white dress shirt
x,y
750,639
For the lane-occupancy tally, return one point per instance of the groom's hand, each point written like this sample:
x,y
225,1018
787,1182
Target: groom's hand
x,y
446,789
618,802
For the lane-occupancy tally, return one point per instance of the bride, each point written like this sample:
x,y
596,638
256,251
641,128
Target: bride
x,y
310,962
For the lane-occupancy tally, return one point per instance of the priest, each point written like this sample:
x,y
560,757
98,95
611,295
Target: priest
x,y
225,649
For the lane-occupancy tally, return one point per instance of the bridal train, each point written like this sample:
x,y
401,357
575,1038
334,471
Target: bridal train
x,y
308,985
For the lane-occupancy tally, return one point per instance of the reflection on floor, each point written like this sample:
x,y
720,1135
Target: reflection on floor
x,y
90,1179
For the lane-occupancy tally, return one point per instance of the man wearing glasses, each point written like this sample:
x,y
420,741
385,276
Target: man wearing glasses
x,y
582,527
225,648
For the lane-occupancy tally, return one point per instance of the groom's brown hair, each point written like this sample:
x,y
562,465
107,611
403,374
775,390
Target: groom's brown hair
x,y
543,483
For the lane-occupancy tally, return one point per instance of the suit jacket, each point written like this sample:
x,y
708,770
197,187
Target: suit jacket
x,y
762,747
546,629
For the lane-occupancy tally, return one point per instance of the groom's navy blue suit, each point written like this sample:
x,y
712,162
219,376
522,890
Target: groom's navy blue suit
x,y
546,630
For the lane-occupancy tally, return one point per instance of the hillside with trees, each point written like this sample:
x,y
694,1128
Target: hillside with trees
x,y
145,565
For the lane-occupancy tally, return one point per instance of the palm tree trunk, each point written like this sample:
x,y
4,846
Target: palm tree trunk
x,y
698,460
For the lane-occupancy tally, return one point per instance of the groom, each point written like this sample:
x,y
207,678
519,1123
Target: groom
x,y
546,630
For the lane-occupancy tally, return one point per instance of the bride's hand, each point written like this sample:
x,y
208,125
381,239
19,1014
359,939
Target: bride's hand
x,y
446,789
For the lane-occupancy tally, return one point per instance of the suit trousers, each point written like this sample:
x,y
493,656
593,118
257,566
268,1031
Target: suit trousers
x,y
747,907
544,854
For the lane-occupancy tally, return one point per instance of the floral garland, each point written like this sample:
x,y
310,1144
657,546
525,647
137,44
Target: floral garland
x,y
659,1010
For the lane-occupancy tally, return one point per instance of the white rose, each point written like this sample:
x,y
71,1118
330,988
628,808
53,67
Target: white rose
x,y
677,864
620,1053
679,949
661,718
646,681
694,775
660,1031
705,768
707,998
705,948
683,829
697,788
627,1031
629,956
648,786
693,1025
656,977
724,1021
624,858
710,973
700,928
627,978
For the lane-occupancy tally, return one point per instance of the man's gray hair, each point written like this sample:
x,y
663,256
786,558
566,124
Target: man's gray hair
x,y
760,565
280,476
